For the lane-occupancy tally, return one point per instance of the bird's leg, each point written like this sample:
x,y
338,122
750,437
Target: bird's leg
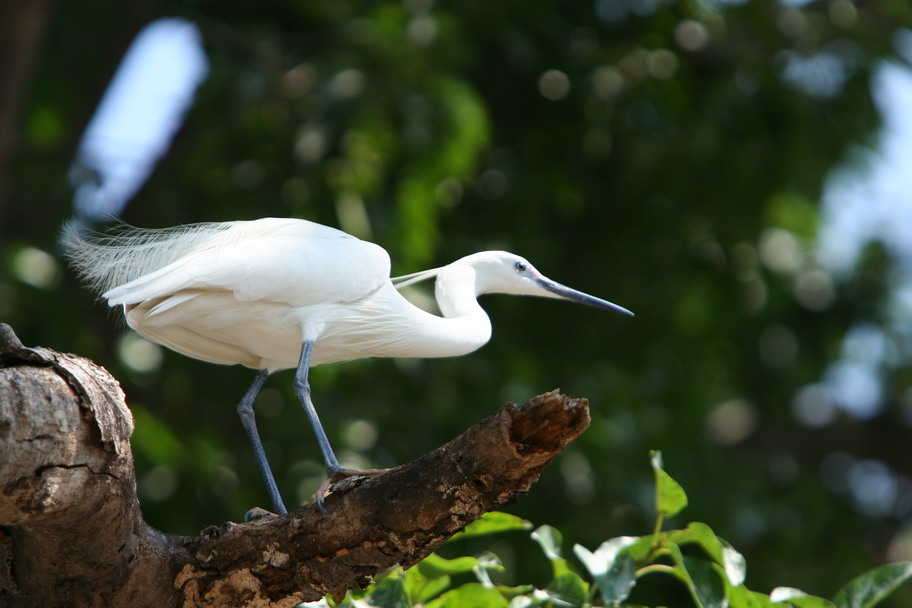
x,y
245,411
334,472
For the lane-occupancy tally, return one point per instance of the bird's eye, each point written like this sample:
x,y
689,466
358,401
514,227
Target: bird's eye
x,y
520,266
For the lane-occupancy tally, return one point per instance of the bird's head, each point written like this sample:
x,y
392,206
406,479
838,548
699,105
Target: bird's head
x,y
504,272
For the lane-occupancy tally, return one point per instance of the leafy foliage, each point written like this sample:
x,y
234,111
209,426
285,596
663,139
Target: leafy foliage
x,y
711,570
667,178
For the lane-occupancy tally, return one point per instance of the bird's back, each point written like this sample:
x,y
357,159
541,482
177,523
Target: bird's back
x,y
215,291
287,261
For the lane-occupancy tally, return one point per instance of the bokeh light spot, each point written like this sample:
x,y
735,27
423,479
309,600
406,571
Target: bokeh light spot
x,y
310,144
158,484
269,403
492,184
873,487
36,267
662,64
139,354
578,478
813,407
855,387
691,35
299,80
607,82
731,422
780,251
814,289
347,83
843,13
778,347
360,435
554,85
422,30
224,481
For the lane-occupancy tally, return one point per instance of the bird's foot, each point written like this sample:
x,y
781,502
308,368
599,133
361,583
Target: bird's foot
x,y
338,474
259,513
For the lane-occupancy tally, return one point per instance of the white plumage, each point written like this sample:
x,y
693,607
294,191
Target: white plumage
x,y
279,293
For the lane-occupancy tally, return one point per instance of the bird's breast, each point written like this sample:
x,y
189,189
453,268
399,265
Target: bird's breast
x,y
215,326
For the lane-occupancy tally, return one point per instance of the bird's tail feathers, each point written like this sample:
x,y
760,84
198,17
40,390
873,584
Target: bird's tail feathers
x,y
106,261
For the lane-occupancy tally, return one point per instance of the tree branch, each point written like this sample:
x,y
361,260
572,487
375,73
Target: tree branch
x,y
73,533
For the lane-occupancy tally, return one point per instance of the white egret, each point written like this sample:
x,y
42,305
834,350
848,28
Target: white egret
x,y
274,294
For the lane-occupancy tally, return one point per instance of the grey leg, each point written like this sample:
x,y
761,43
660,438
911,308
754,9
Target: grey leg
x,y
245,411
302,390
334,472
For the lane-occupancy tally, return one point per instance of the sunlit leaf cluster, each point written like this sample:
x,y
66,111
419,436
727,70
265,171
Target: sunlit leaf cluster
x,y
711,571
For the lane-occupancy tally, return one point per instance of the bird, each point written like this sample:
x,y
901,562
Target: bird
x,y
284,293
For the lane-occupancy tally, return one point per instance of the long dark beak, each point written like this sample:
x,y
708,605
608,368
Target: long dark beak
x,y
573,295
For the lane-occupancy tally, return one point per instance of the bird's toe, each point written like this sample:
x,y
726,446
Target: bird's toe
x,y
258,513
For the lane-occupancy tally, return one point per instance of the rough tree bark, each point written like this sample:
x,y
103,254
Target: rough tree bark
x,y
72,534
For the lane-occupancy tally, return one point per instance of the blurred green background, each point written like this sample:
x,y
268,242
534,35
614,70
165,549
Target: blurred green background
x,y
676,157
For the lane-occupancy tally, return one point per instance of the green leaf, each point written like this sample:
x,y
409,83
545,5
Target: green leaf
x,y
797,598
732,562
421,588
523,601
810,601
707,585
873,586
742,597
389,592
550,540
486,562
670,496
512,592
642,548
434,566
614,572
570,588
529,601
475,595
494,522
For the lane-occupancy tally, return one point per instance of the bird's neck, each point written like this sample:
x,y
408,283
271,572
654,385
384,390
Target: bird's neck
x,y
456,291
465,326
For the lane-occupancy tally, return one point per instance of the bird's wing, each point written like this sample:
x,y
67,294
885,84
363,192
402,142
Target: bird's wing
x,y
292,262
